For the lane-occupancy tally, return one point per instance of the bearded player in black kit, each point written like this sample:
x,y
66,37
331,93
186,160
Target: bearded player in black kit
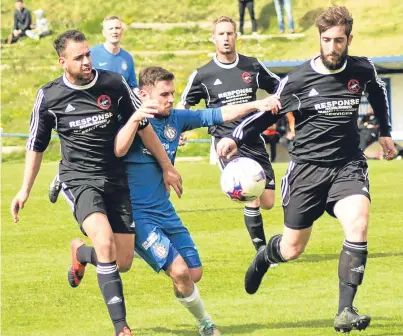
x,y
328,171
231,78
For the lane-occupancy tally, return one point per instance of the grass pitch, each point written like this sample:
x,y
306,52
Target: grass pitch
x,y
299,298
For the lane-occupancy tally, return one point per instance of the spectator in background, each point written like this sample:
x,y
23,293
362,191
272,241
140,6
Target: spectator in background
x,y
110,56
271,138
369,129
22,22
279,4
41,27
242,5
282,131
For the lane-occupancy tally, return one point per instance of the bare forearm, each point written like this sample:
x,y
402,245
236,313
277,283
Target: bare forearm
x,y
154,145
33,162
233,112
125,137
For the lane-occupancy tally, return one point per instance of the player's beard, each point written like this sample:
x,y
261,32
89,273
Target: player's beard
x,y
336,64
83,79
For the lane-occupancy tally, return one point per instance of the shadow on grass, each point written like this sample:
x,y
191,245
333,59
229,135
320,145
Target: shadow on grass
x,y
251,327
322,257
209,210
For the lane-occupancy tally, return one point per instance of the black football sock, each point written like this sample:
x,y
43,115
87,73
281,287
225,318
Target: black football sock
x,y
111,286
352,262
87,255
254,224
272,253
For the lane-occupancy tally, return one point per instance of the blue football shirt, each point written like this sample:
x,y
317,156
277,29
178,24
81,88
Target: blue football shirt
x,y
147,190
121,62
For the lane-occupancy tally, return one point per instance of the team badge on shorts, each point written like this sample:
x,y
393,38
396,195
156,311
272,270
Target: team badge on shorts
x,y
247,77
160,250
124,66
104,102
170,133
353,86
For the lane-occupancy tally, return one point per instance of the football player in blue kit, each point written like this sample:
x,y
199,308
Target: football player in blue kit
x,y
161,238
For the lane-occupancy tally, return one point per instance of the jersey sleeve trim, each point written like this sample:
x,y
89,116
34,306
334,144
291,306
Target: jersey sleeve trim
x,y
33,128
238,131
188,87
135,99
271,74
280,88
380,83
208,95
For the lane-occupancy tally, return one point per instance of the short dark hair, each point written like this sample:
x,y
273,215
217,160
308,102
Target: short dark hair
x,y
335,16
154,74
19,1
61,41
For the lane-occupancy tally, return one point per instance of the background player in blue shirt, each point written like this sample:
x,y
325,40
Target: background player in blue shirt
x,y
161,238
110,56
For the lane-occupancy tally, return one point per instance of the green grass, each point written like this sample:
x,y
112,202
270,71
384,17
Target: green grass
x,y
29,64
296,299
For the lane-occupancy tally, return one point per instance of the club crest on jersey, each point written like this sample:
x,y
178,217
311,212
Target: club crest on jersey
x,y
170,133
124,66
353,86
104,102
247,77
160,250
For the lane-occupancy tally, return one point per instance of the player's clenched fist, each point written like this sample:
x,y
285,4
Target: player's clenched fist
x,y
271,103
226,147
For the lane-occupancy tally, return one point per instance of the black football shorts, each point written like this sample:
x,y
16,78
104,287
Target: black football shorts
x,y
309,190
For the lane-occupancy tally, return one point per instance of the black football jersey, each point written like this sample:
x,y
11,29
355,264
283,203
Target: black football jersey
x,y
220,84
87,119
325,106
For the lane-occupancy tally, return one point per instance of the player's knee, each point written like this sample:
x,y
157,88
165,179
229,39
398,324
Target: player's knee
x,y
180,274
292,251
267,204
196,274
104,246
125,265
357,230
266,201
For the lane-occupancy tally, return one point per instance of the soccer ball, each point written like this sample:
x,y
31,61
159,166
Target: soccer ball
x,y
243,180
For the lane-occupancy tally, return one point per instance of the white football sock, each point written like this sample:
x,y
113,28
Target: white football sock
x,y
194,305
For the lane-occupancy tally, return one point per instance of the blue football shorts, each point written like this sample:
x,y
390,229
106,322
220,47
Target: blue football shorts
x,y
160,244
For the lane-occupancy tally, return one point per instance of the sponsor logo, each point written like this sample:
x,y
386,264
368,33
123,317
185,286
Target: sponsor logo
x,y
246,77
353,86
104,102
313,92
91,121
102,64
365,189
170,133
152,238
160,250
217,82
133,225
69,108
359,269
338,107
235,93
